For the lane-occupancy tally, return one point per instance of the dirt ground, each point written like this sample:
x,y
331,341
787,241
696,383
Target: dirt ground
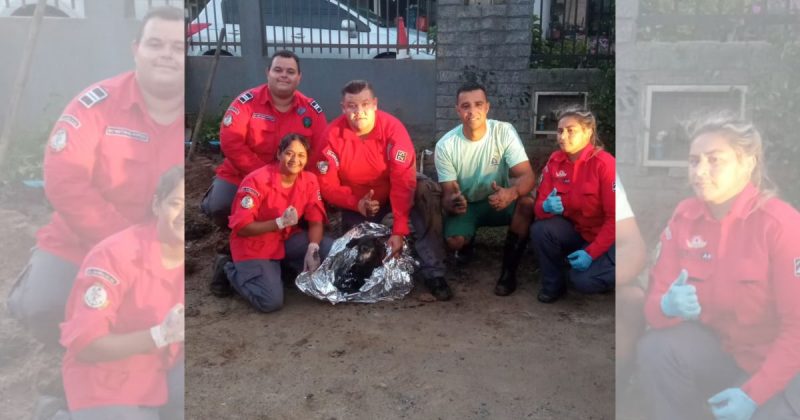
x,y
24,367
477,356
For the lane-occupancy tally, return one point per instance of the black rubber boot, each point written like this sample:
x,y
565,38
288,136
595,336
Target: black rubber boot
x,y
220,286
465,254
512,254
439,288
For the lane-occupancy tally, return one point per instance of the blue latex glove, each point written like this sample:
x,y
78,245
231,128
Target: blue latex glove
x,y
580,260
681,299
732,404
552,204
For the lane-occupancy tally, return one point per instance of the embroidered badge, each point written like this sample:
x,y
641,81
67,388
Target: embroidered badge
x,y
101,274
494,161
323,167
228,120
96,296
400,156
264,117
706,256
696,242
301,110
71,120
127,133
233,109
59,140
319,195
333,156
246,97
316,107
561,174
93,97
249,190
247,202
307,122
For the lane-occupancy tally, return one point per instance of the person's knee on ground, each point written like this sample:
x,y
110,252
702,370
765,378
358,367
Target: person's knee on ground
x,y
456,243
630,321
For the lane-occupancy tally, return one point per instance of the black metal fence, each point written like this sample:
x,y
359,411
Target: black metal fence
x,y
321,28
53,8
572,33
723,21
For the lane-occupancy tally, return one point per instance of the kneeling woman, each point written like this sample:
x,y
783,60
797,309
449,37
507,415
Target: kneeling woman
x,y
574,227
724,295
270,202
123,329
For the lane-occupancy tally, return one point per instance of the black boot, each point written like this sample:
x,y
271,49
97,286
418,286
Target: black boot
x,y
220,286
439,288
512,254
465,254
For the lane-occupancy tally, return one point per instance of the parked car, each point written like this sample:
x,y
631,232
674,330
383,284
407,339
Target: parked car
x,y
317,24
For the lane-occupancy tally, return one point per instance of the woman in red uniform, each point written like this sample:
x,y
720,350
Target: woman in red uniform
x,y
270,202
724,297
123,329
574,227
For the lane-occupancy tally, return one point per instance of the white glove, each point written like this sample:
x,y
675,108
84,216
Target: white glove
x,y
171,330
311,263
289,218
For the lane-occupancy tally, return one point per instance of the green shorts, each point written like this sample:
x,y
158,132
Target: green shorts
x,y
479,213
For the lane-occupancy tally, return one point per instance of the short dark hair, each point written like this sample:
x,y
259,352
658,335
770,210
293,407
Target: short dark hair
x,y
354,87
289,138
162,12
285,54
168,182
469,87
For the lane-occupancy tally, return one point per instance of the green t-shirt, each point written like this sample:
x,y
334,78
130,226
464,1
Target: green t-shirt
x,y
476,164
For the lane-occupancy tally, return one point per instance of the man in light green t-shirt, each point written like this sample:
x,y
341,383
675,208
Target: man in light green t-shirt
x,y
486,180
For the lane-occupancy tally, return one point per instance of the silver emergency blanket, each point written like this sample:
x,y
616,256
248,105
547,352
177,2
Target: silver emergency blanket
x,y
354,264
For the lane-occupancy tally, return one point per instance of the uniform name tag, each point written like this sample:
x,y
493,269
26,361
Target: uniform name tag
x,y
127,133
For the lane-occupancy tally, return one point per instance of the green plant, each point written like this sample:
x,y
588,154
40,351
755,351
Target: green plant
x,y
602,101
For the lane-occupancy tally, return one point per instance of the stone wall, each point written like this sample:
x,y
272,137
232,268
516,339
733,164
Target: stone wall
x,y
490,44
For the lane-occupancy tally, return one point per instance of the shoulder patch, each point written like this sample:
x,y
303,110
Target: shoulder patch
x,y
93,97
245,97
316,106
58,141
71,120
323,167
400,156
96,296
233,109
227,120
333,156
251,191
101,274
247,202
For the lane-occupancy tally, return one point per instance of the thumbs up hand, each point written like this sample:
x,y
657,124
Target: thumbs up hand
x,y
457,201
502,197
681,299
552,204
367,206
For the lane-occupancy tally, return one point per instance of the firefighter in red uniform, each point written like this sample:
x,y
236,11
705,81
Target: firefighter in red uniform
x,y
367,169
574,228
251,129
123,329
102,163
270,202
724,296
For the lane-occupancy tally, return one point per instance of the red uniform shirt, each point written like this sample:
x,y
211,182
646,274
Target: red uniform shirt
x,y
586,188
746,268
383,161
102,164
122,287
260,198
252,129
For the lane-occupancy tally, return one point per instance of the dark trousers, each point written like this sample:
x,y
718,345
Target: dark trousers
x,y
682,367
554,239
